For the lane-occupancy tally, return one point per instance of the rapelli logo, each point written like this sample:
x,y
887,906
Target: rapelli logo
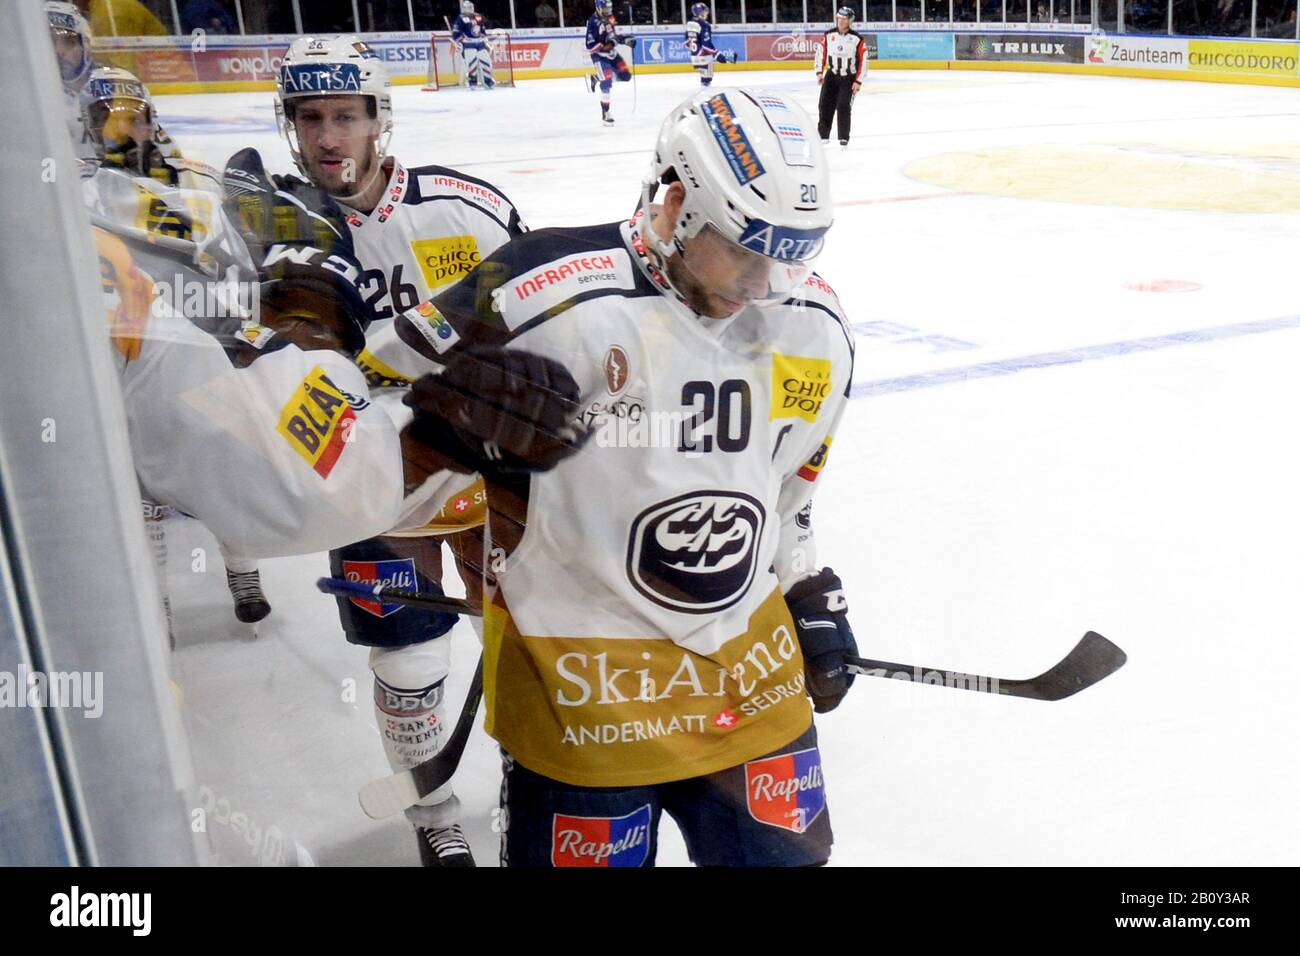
x,y
786,791
601,841
317,421
396,573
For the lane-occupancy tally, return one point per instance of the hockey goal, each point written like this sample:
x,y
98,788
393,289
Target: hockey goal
x,y
447,69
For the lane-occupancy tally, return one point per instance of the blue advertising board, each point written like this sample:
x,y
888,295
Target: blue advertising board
x,y
914,46
653,48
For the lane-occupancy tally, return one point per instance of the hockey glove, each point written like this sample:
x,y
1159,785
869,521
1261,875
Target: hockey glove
x,y
821,620
498,411
309,297
287,210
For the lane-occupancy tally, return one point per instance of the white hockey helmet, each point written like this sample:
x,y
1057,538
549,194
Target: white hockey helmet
x,y
466,7
111,101
66,20
335,66
754,172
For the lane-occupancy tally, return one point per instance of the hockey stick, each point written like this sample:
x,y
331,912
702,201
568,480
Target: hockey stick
x,y
386,796
1091,660
631,62
390,795
358,590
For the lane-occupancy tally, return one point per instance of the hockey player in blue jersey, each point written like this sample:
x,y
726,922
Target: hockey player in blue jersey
x,y
469,33
699,42
602,44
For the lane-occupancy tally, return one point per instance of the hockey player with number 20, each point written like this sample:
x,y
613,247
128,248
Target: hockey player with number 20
x,y
415,231
658,622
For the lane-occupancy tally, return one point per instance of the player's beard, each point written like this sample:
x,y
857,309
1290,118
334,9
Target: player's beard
x,y
699,299
343,188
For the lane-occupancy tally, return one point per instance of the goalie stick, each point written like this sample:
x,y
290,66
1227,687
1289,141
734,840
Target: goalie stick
x,y
1091,660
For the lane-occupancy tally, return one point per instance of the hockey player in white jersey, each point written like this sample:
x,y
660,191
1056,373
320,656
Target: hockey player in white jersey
x,y
657,621
416,231
135,185
469,33
70,33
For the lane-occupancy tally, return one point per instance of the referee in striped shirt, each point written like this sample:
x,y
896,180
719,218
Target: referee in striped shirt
x,y
841,61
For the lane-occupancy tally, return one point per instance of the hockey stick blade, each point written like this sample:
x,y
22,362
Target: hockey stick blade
x,y
358,590
390,795
1091,660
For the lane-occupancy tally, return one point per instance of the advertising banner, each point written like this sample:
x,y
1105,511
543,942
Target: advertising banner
x,y
1148,53
671,48
1025,48
1243,56
915,46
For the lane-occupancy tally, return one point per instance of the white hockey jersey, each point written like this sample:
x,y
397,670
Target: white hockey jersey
x,y
432,227
285,456
638,632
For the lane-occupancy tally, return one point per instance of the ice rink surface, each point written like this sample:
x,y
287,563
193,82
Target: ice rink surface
x,y
1075,408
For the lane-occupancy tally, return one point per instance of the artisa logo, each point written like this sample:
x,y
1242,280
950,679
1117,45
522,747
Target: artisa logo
x,y
321,78
697,552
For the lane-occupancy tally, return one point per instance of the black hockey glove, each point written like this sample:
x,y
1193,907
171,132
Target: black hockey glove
x,y
498,411
821,620
284,210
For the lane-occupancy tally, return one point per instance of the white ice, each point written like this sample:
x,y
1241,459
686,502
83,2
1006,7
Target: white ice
x,y
980,524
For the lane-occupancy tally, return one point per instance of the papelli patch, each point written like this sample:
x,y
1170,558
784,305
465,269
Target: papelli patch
x,y
731,138
395,573
317,421
601,841
800,386
443,261
786,791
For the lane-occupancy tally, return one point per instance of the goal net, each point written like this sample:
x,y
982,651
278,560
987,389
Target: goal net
x,y
447,68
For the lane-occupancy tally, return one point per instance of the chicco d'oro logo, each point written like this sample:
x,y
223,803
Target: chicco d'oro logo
x,y
697,552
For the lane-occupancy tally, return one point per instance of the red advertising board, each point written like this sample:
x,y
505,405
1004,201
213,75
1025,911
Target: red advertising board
x,y
789,46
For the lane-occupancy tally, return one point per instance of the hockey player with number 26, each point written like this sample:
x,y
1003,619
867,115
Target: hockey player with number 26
x,y
415,231
658,622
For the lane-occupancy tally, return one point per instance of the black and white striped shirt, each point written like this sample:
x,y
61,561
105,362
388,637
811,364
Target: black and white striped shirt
x,y
844,54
